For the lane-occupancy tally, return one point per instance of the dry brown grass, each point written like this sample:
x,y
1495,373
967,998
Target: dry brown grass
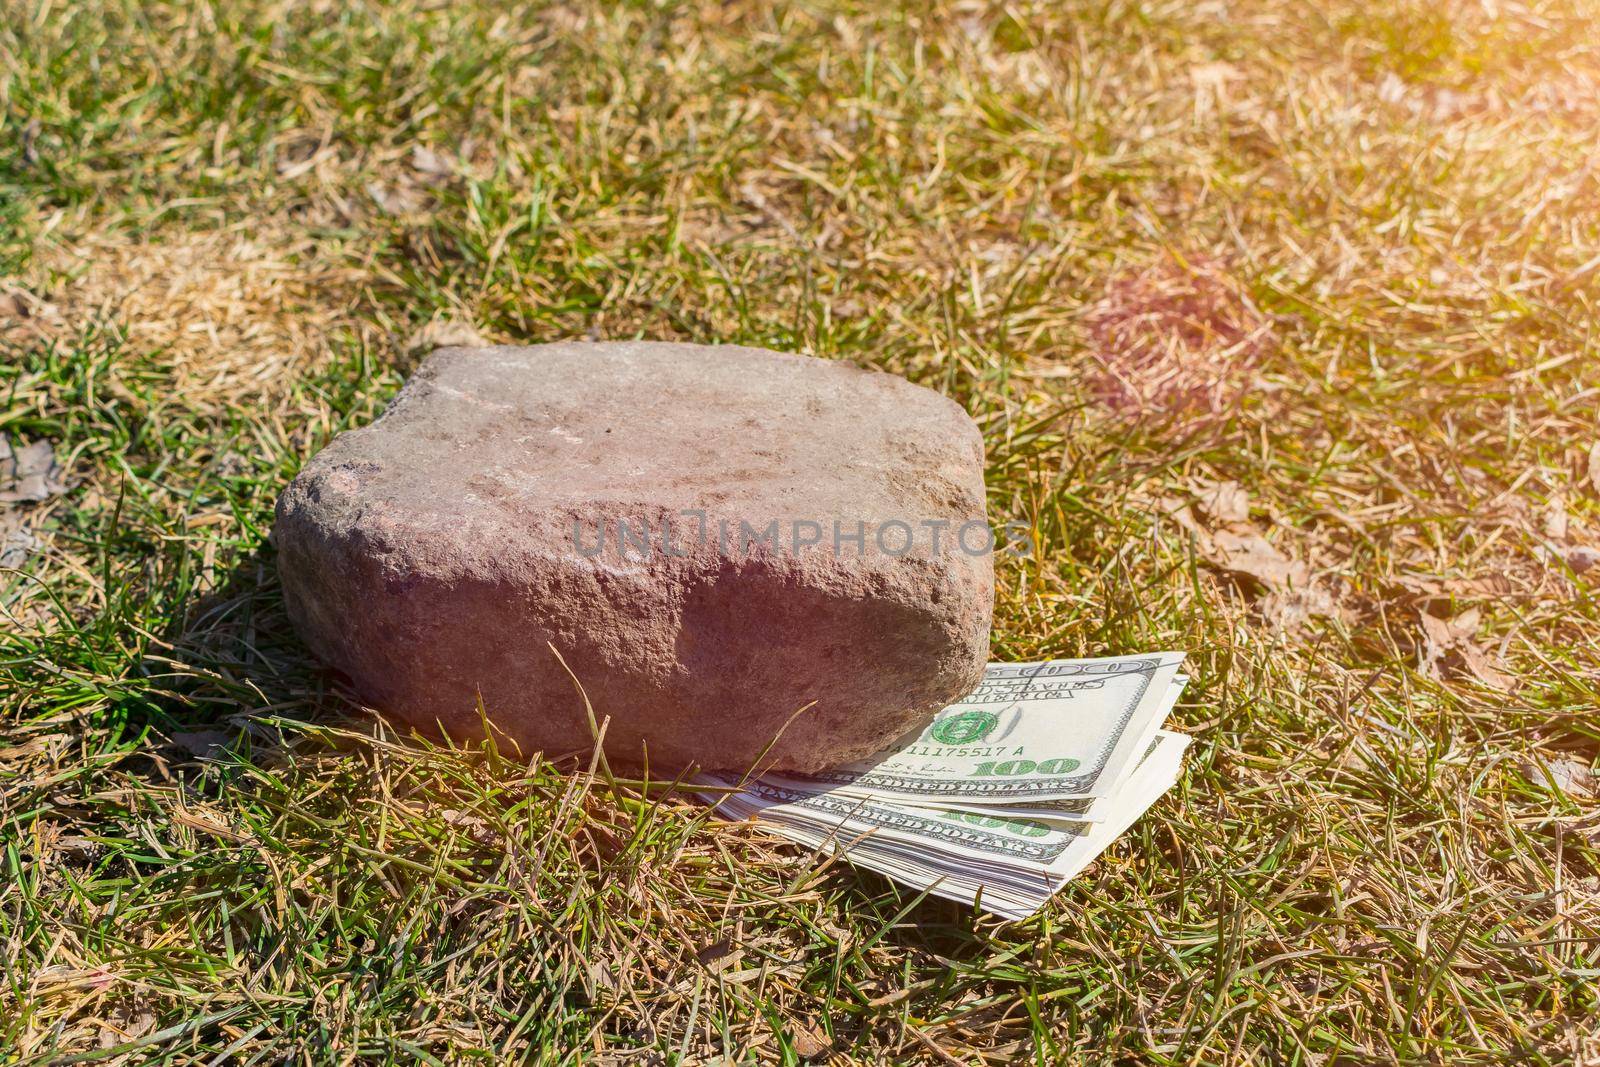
x,y
237,313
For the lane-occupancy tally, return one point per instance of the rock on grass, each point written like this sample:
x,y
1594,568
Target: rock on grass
x,y
712,539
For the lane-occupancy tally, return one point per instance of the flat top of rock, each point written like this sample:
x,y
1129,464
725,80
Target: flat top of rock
x,y
520,432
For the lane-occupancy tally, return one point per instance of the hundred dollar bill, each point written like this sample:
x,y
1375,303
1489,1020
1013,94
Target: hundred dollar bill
x,y
1010,866
1021,895
1029,734
1068,809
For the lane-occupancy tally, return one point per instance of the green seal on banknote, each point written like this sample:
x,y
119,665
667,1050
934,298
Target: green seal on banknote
x,y
964,728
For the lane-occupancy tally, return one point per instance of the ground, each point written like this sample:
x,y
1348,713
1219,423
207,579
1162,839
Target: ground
x,y
1278,318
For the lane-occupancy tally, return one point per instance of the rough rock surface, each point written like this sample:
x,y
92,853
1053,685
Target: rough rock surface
x,y
441,552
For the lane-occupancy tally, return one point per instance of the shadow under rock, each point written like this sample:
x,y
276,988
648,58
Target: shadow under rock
x,y
235,677
233,666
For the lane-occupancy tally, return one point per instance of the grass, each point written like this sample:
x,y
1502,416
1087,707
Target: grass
x,y
1234,289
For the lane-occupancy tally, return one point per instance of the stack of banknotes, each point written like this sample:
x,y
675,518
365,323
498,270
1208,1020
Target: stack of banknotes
x,y
1005,796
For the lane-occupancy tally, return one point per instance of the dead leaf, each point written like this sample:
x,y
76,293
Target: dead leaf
x,y
35,746
433,164
29,474
1478,665
1178,511
74,849
19,305
1450,650
123,1026
1288,610
607,845
808,1041
1223,502
601,976
716,951
201,742
1568,776
1438,632
1288,597
1594,466
17,543
464,820
1555,518
1488,586
399,200
444,335
1580,557
1247,556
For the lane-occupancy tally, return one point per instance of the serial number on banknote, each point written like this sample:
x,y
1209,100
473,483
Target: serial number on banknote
x,y
1005,690
998,760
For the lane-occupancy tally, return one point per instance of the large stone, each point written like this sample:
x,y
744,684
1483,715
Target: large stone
x,y
498,510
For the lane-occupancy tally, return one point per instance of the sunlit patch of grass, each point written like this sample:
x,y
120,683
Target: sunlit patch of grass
x,y
224,225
